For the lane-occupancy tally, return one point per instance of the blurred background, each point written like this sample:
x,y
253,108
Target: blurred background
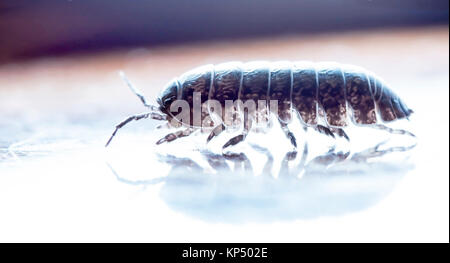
x,y
32,29
61,96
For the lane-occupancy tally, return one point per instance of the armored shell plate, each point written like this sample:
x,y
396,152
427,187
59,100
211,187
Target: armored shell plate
x,y
280,88
359,96
331,93
304,91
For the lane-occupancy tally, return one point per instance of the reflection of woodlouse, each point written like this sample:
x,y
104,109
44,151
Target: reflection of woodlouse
x,y
324,96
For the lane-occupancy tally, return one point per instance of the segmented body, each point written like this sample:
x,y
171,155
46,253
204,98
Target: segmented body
x,y
325,96
331,91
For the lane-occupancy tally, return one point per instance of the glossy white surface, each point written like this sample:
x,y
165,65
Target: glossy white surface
x,y
56,181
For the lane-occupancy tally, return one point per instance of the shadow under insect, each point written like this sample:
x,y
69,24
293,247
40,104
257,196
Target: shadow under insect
x,y
229,190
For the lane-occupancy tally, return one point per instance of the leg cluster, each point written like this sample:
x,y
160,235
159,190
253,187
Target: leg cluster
x,y
284,126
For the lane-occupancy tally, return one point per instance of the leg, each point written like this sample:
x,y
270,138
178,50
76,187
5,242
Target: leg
x,y
152,115
216,161
241,162
136,182
324,130
267,170
341,133
375,152
284,169
393,131
175,135
215,132
301,165
288,133
177,163
324,159
137,92
237,139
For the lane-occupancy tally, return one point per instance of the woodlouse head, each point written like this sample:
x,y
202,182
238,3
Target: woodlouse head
x,y
168,95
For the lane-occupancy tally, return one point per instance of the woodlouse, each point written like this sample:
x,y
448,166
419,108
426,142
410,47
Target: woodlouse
x,y
323,95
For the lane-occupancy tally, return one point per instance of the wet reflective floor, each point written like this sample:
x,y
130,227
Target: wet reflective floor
x,y
59,183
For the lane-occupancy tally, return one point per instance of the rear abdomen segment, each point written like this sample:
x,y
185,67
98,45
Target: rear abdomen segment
x,y
389,105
